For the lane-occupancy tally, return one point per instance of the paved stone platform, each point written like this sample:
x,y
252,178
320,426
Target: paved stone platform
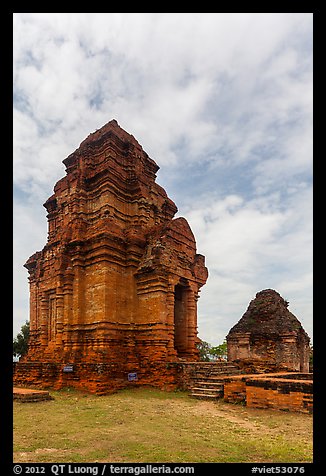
x,y
26,395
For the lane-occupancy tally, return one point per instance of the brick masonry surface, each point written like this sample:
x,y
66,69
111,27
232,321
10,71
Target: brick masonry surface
x,y
114,290
269,337
289,392
25,395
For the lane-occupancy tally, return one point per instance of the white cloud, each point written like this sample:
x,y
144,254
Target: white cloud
x,y
250,246
29,236
225,97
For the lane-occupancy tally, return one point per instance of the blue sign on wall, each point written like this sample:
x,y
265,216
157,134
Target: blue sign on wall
x,y
132,376
68,368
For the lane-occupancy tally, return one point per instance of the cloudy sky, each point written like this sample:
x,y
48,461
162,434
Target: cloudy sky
x,y
221,101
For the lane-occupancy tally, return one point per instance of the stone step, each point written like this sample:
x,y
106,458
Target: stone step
x,y
205,396
208,378
214,368
204,375
212,391
213,385
212,379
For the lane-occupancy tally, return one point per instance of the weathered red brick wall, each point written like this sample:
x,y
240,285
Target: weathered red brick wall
x,y
280,394
95,378
261,366
235,389
292,392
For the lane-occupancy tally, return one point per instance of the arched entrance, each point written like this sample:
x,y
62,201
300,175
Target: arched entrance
x,y
180,319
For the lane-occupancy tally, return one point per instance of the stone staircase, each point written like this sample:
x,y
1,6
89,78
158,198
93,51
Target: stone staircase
x,y
207,379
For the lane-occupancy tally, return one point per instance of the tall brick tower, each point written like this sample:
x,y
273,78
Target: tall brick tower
x,y
114,290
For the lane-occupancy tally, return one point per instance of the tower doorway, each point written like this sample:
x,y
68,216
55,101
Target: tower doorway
x,y
180,320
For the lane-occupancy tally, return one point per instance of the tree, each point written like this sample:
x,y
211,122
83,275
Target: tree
x,y
220,351
20,342
204,350
208,353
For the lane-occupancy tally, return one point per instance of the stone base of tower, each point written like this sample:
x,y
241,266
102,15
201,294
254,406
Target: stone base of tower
x,y
98,378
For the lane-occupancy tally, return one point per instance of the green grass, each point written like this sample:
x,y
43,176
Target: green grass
x,y
148,425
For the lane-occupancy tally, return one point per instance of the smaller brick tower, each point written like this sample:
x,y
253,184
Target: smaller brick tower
x,y
269,334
